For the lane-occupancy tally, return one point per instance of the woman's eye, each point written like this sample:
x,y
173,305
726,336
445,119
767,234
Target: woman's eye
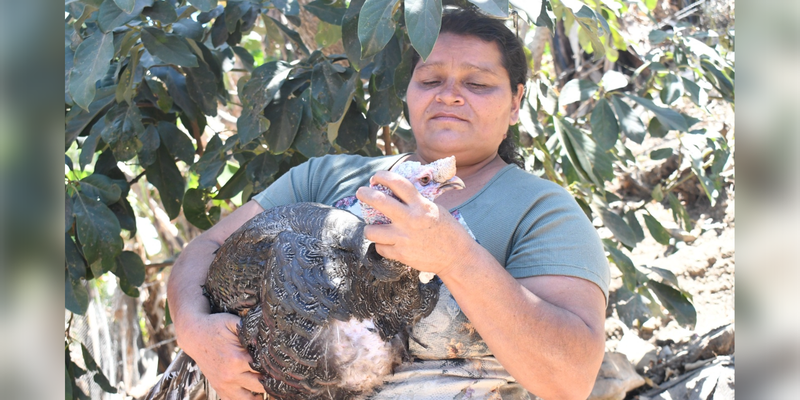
x,y
430,83
476,85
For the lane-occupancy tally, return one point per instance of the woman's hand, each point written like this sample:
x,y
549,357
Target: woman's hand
x,y
214,345
422,235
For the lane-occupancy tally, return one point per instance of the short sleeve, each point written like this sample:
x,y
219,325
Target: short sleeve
x,y
534,227
323,179
556,238
291,187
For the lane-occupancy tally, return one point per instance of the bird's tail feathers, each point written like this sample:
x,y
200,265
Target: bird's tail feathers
x,y
181,381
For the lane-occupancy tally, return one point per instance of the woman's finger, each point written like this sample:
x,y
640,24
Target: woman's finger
x,y
400,186
382,202
381,234
249,381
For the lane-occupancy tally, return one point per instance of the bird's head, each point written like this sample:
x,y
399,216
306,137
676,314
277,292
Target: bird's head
x,y
431,180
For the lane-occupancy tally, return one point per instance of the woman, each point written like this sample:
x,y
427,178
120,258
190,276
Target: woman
x,y
522,305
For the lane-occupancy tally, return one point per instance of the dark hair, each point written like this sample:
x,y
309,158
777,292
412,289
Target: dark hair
x,y
466,22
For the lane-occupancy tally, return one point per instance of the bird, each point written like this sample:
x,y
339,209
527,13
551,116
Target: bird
x,y
323,315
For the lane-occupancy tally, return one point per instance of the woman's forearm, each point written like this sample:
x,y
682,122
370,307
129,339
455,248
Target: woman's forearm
x,y
184,288
548,335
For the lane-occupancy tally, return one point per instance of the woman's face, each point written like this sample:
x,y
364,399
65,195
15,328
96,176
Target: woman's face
x,y
460,101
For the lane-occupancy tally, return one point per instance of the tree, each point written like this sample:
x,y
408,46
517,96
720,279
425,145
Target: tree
x,y
146,79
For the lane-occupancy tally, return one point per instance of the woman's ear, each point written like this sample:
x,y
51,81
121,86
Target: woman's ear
x,y
516,100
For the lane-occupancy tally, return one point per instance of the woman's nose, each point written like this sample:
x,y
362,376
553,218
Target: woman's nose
x,y
450,94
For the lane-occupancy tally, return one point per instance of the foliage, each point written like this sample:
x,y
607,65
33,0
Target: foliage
x,y
144,79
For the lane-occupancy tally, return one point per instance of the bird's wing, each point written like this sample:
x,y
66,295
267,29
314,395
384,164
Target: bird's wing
x,y
308,272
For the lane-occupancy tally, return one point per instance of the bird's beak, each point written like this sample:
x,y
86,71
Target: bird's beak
x,y
453,183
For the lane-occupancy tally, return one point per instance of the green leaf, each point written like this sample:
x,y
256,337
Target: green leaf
x,y
657,193
423,20
123,126
101,380
168,47
616,225
588,159
332,89
353,132
657,230
76,298
696,93
97,229
673,89
671,119
75,126
624,264
326,12
386,61
130,266
350,41
402,74
194,209
284,115
656,129
676,302
547,97
189,29
375,25
664,276
384,106
497,8
150,143
167,178
630,218
163,11
257,93
327,34
690,121
163,99
531,7
631,307
605,129
576,90
167,314
613,80
204,5
210,165
176,141
100,187
287,7
125,5
311,139
68,385
245,57
201,83
298,41
657,36
88,360
261,168
69,215
91,61
110,16
235,184
630,123
679,213
661,154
